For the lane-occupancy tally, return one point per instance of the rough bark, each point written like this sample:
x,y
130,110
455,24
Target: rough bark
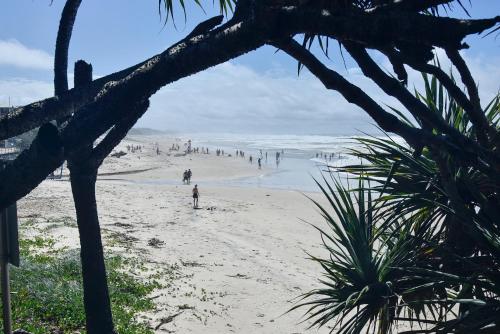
x,y
98,317
83,175
32,166
64,33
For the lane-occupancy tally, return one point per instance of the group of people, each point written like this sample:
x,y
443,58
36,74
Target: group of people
x,y
190,149
134,148
186,177
197,150
326,156
219,152
262,155
203,150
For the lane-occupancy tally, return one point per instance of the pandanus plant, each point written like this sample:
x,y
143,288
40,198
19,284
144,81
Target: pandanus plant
x,y
399,252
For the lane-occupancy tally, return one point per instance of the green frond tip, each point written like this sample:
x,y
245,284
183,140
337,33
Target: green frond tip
x,y
168,6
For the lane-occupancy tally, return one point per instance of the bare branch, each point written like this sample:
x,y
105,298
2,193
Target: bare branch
x,y
112,104
451,87
394,88
32,166
455,91
64,33
388,122
334,81
118,132
416,107
476,113
28,117
378,30
412,5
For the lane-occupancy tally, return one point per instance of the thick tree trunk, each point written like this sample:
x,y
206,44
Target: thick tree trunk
x,y
83,174
99,319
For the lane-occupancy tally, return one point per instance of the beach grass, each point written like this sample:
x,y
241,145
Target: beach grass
x,y
47,290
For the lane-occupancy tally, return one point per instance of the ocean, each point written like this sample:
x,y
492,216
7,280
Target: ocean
x,y
303,158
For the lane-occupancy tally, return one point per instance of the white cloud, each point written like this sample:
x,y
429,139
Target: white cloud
x,y
23,91
13,53
233,97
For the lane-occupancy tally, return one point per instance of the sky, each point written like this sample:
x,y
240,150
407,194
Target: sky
x,y
259,92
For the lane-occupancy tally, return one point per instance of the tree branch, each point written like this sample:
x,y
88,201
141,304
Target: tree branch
x,y
113,102
32,166
394,88
64,33
451,87
353,94
476,114
369,30
411,5
378,30
388,122
416,107
118,132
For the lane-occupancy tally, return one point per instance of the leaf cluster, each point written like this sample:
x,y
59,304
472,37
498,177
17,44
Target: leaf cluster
x,y
401,251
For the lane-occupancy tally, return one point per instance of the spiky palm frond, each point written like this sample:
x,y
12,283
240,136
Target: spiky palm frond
x,y
168,6
420,261
411,185
362,285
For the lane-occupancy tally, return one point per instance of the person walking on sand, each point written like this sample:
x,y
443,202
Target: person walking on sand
x,y
196,195
260,163
189,174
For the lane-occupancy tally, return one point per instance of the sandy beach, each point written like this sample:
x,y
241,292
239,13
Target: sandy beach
x,y
239,260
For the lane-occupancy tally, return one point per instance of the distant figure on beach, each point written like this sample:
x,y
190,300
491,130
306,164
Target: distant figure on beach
x,y
260,163
185,177
196,195
189,174
266,157
251,160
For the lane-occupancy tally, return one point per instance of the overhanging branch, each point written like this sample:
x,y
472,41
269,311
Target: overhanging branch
x,y
369,30
113,102
388,122
118,132
476,114
416,107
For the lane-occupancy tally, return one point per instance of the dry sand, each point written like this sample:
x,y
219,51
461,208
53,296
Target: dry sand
x,y
239,259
